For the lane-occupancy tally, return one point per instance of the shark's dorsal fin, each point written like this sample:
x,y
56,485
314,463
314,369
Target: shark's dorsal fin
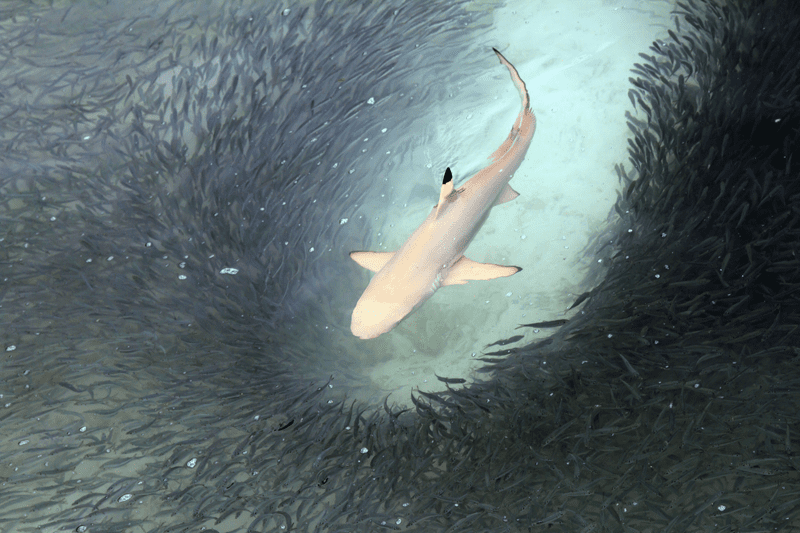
x,y
507,195
373,261
465,270
447,188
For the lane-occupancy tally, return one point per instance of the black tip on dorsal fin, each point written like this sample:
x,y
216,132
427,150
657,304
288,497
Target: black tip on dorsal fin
x,y
448,176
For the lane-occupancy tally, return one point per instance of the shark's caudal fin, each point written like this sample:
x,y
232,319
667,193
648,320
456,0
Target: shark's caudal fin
x,y
523,89
465,270
526,109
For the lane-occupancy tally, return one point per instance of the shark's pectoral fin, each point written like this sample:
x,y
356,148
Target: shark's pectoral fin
x,y
507,195
468,270
373,261
447,188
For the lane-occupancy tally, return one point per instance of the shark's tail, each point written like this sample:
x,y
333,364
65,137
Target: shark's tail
x,y
523,90
522,132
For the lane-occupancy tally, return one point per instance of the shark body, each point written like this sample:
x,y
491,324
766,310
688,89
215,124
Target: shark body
x,y
433,256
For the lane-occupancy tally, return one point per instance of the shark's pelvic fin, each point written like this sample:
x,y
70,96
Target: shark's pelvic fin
x,y
507,195
373,261
465,270
447,188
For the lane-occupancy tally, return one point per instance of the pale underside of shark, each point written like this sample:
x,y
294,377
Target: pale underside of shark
x,y
433,256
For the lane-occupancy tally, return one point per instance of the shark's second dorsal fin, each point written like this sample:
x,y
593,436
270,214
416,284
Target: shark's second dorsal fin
x,y
507,195
447,188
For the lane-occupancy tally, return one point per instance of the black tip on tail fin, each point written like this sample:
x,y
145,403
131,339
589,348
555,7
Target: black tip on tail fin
x,y
448,176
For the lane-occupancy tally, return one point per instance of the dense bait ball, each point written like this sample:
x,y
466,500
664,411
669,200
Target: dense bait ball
x,y
174,183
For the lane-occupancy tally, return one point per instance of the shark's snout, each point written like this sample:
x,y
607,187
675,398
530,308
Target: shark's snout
x,y
372,319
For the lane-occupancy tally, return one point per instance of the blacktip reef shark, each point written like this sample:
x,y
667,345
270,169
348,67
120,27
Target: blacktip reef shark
x,y
433,256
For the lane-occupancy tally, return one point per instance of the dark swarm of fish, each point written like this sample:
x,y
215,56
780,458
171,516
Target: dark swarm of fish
x,y
133,400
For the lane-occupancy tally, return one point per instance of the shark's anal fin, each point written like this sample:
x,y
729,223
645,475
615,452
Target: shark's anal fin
x,y
373,261
447,188
507,195
465,270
